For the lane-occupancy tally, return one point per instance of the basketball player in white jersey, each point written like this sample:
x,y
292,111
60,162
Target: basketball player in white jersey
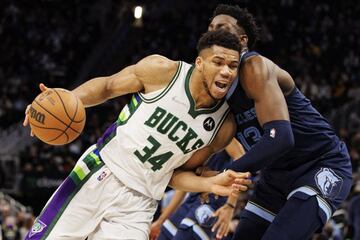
x,y
176,119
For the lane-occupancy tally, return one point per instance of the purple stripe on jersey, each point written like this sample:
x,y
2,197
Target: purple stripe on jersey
x,y
107,133
53,208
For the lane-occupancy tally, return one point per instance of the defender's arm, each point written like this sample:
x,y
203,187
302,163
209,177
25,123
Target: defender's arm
x,y
259,80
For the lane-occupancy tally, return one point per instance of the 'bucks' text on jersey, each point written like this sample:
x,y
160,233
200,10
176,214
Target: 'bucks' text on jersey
x,y
158,132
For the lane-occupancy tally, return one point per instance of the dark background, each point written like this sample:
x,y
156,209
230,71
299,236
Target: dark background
x,y
64,43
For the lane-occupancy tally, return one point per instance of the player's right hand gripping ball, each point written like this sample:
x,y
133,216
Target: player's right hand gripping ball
x,y
57,116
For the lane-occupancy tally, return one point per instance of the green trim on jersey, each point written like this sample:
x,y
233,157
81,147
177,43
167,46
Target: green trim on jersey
x,y
167,88
193,111
222,120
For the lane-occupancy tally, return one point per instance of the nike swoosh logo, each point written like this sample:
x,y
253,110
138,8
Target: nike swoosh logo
x,y
178,101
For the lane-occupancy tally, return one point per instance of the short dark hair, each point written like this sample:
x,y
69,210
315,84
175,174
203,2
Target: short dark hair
x,y
244,19
220,38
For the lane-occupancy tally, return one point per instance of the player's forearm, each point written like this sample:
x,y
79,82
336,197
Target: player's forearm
x,y
187,181
92,92
232,199
173,205
276,141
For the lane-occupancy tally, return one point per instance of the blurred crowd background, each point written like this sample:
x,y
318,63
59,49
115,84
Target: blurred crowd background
x,y
64,43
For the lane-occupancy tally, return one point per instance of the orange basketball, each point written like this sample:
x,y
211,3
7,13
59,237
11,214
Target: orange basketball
x,y
57,116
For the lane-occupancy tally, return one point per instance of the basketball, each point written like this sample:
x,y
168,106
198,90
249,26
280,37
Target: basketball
x,y
57,116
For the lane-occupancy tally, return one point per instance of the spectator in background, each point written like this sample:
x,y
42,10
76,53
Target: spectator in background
x,y
2,176
9,228
353,230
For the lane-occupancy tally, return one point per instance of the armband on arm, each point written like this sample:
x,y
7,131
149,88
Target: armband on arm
x,y
277,140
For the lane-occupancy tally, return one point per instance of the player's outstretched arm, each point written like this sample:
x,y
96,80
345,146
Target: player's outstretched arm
x,y
222,184
149,74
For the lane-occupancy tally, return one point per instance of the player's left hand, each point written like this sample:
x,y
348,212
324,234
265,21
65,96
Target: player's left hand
x,y
222,225
229,182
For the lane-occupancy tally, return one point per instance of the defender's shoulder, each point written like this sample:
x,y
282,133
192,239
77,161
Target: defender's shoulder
x,y
255,61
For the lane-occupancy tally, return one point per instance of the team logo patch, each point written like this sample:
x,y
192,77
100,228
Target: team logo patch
x,y
328,182
101,176
203,215
209,124
273,132
37,227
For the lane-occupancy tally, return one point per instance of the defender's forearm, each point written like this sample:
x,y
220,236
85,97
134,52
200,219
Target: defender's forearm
x,y
232,200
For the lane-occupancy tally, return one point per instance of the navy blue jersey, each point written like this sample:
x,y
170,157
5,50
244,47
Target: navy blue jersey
x,y
312,133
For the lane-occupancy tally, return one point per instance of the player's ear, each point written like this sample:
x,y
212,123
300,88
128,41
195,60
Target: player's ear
x,y
244,40
199,63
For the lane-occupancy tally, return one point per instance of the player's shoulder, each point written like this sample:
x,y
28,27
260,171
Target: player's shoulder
x,y
257,66
156,69
254,61
158,62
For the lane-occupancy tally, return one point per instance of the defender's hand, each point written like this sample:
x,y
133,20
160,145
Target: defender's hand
x,y
43,88
224,216
229,182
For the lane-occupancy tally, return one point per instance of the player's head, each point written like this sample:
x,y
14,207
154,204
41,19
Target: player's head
x,y
217,61
236,20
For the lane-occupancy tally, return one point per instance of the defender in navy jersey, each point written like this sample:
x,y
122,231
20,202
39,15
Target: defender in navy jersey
x,y
305,168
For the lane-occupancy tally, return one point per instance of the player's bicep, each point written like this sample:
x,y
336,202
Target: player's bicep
x,y
260,83
124,82
149,74
271,104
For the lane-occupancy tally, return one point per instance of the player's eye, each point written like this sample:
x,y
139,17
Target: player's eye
x,y
233,66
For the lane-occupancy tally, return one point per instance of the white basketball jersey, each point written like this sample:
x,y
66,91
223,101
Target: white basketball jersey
x,y
157,133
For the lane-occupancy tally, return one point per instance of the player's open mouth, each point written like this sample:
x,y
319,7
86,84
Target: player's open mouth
x,y
221,85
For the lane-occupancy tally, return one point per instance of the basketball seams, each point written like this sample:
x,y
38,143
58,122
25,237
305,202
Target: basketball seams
x,y
67,138
46,127
55,120
77,107
68,126
62,103
55,129
67,114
